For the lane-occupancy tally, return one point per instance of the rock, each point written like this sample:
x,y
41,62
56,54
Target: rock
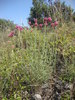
x,y
45,86
37,97
67,86
58,88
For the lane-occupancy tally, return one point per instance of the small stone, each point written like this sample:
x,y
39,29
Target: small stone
x,y
45,86
37,97
67,86
26,93
71,86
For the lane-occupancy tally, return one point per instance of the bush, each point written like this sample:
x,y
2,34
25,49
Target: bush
x,y
30,57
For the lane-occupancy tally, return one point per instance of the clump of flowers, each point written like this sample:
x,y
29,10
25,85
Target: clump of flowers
x,y
19,28
36,24
11,34
40,25
45,21
49,19
35,20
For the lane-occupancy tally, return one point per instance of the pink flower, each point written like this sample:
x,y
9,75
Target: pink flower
x,y
36,24
45,23
11,34
52,24
19,28
40,25
45,19
29,23
35,20
56,23
49,19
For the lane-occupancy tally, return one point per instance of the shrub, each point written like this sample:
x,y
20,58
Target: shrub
x,y
30,57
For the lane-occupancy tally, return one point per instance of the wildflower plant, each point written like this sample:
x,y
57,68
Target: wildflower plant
x,y
31,56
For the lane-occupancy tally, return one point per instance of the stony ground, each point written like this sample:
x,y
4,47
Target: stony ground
x,y
54,89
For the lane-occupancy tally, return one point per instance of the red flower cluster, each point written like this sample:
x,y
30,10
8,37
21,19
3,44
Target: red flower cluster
x,y
19,28
11,34
36,24
49,19
40,25
46,22
35,20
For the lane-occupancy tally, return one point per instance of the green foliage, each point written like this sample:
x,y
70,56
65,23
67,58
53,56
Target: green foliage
x,y
38,10
56,10
6,24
